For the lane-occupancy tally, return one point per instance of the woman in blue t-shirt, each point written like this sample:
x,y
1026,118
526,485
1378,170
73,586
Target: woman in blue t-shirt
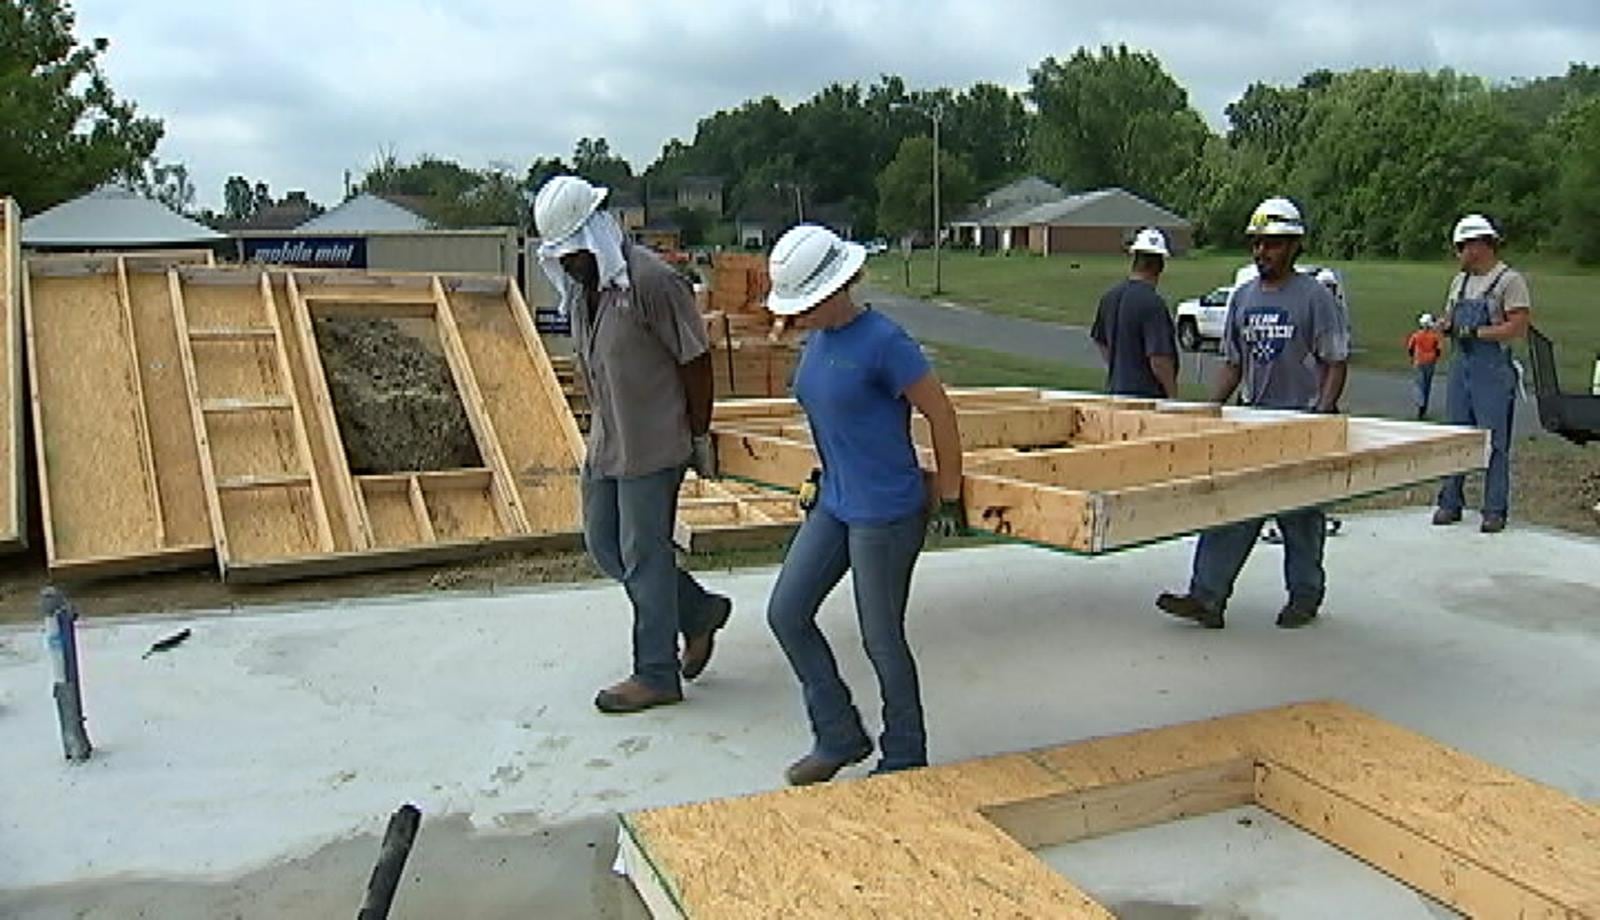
x,y
858,378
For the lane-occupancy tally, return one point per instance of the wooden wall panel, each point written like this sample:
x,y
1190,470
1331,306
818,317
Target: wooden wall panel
x,y
91,445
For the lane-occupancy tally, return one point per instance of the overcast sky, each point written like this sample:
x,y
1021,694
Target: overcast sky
x,y
295,92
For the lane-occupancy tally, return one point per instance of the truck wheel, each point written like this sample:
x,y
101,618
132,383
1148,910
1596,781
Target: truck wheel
x,y
1188,335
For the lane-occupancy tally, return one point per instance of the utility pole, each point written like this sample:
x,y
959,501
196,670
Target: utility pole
x,y
937,114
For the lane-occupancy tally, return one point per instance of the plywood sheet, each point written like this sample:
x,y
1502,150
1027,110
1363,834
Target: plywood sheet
x,y
951,840
531,419
92,453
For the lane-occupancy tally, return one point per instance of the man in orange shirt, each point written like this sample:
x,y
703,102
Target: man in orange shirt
x,y
1424,346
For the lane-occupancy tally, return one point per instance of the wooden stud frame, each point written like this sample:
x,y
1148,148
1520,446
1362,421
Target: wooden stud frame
x,y
1091,474
283,384
954,840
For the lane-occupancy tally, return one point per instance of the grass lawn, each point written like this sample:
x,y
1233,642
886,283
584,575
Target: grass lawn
x,y
961,366
1385,296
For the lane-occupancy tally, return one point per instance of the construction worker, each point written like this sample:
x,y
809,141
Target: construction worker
x,y
859,376
1134,329
1487,308
642,348
1424,347
1287,342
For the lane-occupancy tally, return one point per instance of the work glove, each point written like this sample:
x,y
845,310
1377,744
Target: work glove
x,y
703,456
949,519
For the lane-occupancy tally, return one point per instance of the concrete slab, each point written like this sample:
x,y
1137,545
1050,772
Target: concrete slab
x,y
272,738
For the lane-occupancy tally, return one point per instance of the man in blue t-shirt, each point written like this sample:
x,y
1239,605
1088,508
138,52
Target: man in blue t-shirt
x,y
1134,329
1287,342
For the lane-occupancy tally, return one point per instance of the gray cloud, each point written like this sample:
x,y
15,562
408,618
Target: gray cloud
x,y
295,92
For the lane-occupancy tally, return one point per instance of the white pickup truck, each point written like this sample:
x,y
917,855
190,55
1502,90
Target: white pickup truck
x,y
1200,320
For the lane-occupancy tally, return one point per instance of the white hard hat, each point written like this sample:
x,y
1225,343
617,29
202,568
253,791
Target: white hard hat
x,y
563,204
1276,217
1150,240
807,265
1472,227
1425,320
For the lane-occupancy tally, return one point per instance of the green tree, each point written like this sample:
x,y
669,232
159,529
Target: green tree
x,y
1114,118
692,224
169,184
905,187
63,130
237,201
1578,130
989,125
592,159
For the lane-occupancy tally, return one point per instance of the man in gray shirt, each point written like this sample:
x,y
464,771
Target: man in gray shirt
x,y
1287,342
644,354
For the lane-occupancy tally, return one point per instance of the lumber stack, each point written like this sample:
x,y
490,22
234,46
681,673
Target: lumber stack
x,y
1093,474
746,361
739,282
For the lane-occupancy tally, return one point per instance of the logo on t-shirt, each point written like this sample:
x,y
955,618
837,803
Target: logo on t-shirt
x,y
1266,332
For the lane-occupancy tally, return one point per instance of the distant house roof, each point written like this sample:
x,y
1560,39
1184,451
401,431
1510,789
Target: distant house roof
x,y
1007,201
287,214
365,213
1107,207
110,216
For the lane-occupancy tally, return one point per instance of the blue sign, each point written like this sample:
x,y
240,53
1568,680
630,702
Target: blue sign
x,y
307,251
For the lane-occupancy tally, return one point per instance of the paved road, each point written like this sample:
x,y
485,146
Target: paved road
x,y
1368,392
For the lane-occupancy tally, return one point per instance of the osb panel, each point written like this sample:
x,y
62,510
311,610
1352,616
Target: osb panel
x,y
172,443
394,523
223,298
527,419
327,471
912,844
100,500
252,444
271,523
461,514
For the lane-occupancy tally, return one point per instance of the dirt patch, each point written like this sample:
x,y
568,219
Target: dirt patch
x,y
394,397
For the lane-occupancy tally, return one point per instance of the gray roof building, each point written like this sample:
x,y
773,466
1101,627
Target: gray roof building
x,y
366,213
113,216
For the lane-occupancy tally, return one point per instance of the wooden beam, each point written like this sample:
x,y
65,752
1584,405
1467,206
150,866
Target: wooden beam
x,y
1109,422
302,437
231,334
269,481
208,474
551,387
1029,511
507,499
474,477
344,490
378,559
1164,509
263,404
1455,878
419,510
761,458
1120,464
376,309
140,412
15,448
1021,426
1118,807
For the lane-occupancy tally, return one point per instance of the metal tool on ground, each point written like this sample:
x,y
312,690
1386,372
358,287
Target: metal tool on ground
x,y
167,643
60,624
397,840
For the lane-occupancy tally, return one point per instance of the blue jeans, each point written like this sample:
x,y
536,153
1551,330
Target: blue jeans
x,y
1424,388
880,559
1223,550
1483,393
627,527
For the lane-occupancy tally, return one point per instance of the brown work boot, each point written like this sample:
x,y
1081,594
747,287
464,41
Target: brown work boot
x,y
1189,607
1492,523
819,768
633,696
1445,516
697,649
